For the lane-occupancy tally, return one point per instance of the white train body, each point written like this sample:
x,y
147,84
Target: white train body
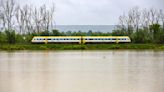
x,y
81,39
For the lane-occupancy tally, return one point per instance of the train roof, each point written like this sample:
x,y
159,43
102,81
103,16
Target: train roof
x,y
81,36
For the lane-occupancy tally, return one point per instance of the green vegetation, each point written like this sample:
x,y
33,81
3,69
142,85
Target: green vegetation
x,y
80,47
142,26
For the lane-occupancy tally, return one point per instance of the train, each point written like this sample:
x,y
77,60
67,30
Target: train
x,y
80,39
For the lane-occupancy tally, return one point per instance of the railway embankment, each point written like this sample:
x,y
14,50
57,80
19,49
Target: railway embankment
x,y
129,46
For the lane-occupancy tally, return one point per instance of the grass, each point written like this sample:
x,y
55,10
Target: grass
x,y
80,47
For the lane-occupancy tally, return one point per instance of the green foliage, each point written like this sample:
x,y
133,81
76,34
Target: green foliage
x,y
161,37
119,33
28,38
55,32
80,47
2,38
11,37
152,34
43,47
89,33
45,33
155,31
74,47
139,37
20,39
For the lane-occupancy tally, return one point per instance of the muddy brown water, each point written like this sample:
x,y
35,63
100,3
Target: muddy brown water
x,y
82,71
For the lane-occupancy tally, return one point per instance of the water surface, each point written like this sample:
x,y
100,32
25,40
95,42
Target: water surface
x,y
82,71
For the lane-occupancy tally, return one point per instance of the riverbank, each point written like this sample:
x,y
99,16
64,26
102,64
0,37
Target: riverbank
x,y
80,47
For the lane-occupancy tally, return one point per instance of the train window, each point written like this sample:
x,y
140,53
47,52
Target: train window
x,y
122,39
49,39
109,38
113,38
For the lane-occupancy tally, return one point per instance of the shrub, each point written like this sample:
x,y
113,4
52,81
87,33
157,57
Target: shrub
x,y
11,37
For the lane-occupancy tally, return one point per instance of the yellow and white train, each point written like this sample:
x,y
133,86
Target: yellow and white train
x,y
81,39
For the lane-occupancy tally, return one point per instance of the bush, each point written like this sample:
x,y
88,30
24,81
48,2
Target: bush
x,y
2,38
11,37
20,39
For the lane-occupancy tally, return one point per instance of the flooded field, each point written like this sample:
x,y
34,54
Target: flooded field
x,y
82,71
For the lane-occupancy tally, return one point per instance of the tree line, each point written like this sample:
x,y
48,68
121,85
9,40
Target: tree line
x,y
143,26
19,20
25,19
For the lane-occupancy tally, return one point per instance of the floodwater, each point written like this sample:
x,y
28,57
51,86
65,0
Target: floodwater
x,y
82,71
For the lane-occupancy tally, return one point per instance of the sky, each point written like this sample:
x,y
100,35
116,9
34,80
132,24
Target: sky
x,y
93,12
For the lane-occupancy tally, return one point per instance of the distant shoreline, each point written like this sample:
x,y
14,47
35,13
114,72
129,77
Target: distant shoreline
x,y
130,46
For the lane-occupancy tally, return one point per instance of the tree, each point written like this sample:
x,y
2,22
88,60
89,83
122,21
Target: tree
x,y
162,17
141,25
89,33
8,10
155,29
20,17
43,18
56,32
11,37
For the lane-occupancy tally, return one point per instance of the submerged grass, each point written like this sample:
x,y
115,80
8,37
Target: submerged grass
x,y
80,46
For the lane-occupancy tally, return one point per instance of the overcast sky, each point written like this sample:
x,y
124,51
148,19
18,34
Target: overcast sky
x,y
93,12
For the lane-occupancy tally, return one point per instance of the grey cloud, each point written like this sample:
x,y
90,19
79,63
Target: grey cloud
x,y
94,11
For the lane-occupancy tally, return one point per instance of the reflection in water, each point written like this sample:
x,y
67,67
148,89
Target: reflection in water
x,y
82,71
